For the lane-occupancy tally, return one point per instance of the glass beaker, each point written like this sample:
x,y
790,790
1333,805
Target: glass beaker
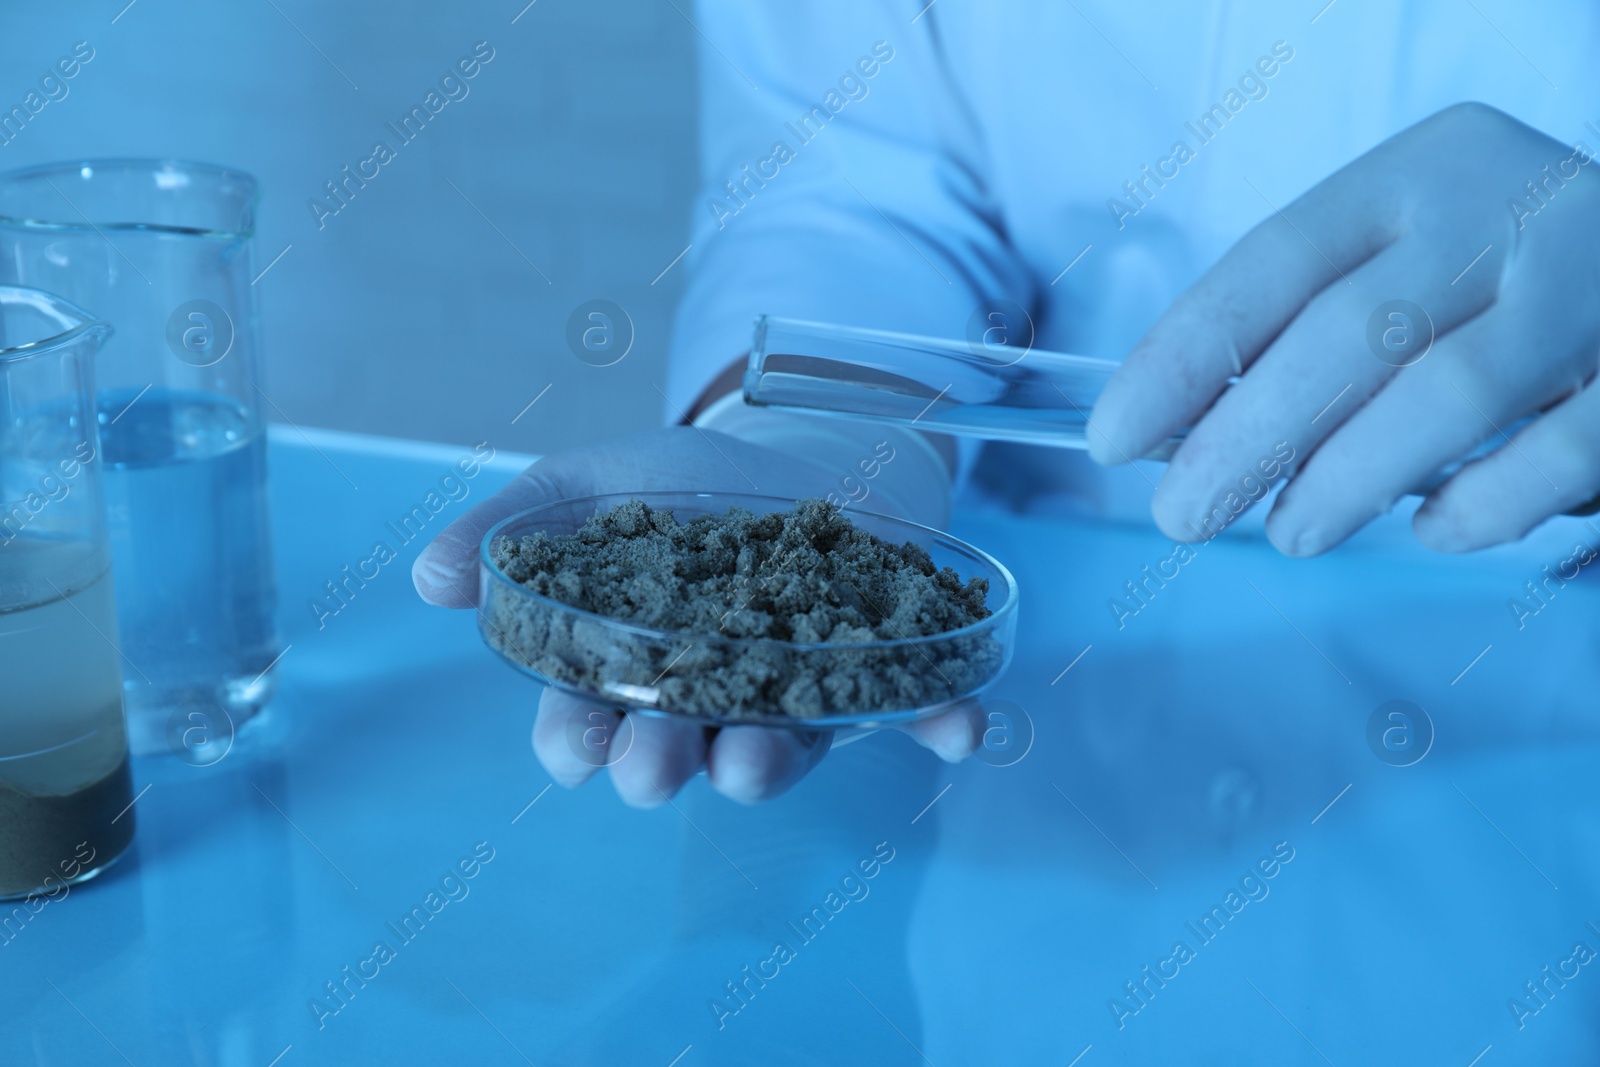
x,y
161,250
65,790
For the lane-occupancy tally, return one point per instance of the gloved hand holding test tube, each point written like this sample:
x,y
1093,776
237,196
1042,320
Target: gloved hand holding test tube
x,y
991,392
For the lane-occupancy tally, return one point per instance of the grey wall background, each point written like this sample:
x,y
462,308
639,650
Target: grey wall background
x,y
409,314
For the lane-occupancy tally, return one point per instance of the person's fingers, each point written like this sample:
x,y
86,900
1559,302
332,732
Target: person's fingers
x,y
446,572
755,763
1413,185
1514,359
1313,376
1219,327
1552,466
665,753
574,737
675,457
951,735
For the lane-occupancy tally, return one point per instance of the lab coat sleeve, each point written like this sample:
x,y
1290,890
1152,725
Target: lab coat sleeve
x,y
843,181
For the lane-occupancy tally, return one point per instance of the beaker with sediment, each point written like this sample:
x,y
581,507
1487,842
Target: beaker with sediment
x,y
65,787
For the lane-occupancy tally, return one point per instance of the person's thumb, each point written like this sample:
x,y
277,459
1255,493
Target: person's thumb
x,y
446,573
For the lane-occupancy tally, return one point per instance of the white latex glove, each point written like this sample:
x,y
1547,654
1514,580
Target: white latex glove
x,y
1440,215
746,763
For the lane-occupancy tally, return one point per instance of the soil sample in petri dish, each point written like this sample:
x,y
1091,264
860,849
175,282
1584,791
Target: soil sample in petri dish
x,y
65,787
799,614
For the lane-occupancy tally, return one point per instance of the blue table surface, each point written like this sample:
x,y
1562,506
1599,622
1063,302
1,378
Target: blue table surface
x,y
1226,721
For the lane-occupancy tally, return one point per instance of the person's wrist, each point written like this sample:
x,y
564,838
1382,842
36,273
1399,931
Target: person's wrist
x,y
728,381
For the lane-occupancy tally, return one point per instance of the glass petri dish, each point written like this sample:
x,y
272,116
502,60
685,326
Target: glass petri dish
x,y
717,679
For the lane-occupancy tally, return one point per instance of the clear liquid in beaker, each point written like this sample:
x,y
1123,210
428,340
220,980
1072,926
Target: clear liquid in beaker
x,y
186,497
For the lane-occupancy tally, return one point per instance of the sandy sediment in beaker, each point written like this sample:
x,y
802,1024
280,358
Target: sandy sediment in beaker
x,y
63,747
62,837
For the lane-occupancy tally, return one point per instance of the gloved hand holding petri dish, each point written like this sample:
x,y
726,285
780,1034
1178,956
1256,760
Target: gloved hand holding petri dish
x,y
651,679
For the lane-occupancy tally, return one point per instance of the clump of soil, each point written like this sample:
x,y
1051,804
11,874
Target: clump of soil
x,y
807,576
